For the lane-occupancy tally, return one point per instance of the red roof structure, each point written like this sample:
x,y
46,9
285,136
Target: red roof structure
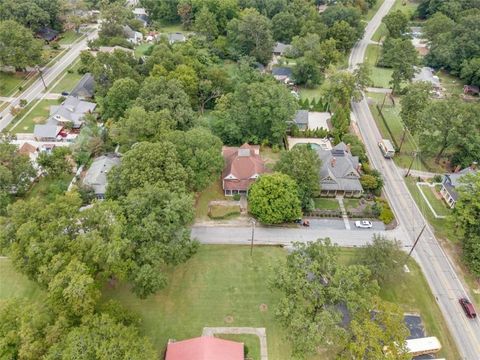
x,y
243,166
205,348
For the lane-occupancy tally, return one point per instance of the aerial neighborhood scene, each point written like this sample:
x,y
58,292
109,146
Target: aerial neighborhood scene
x,y
239,179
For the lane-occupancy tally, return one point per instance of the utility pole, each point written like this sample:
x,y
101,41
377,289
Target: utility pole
x,y
253,235
41,76
411,164
415,243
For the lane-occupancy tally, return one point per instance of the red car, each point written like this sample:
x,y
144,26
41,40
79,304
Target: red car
x,y
468,308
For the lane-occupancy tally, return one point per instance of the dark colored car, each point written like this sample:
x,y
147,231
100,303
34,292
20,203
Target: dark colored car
x,y
468,308
65,93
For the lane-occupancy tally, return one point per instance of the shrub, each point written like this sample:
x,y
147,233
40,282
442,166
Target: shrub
x,y
386,215
437,178
236,197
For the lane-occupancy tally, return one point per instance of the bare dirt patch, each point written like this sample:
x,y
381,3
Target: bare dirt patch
x,y
228,319
263,307
39,119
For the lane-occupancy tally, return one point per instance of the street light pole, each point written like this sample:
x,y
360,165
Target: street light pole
x,y
253,235
411,164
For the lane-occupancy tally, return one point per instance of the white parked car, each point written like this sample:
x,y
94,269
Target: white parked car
x,y
364,224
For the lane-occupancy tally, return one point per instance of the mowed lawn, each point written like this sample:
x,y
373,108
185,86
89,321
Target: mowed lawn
x,y
69,81
437,204
69,37
380,76
223,286
219,286
9,82
38,115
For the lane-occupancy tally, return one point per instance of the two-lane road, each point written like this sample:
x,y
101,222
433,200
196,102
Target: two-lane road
x,y
438,270
49,75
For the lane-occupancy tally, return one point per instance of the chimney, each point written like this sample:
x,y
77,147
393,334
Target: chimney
x,y
474,165
333,161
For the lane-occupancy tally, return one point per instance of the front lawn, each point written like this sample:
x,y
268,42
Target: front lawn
x,y
141,49
69,37
223,285
224,211
442,227
213,192
219,286
251,343
9,82
69,81
38,115
48,188
326,204
380,76
437,203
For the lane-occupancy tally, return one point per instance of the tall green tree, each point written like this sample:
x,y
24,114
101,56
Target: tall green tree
x,y
273,199
206,24
415,100
158,93
119,98
285,26
396,23
101,337
401,56
254,112
18,47
147,163
465,219
251,35
56,163
302,164
200,153
313,284
370,334
16,173
157,222
384,258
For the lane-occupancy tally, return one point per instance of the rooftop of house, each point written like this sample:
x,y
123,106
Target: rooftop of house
x,y
317,120
85,88
96,175
339,170
27,149
176,37
129,32
111,49
46,130
205,348
281,48
454,178
72,109
301,117
139,11
426,74
282,71
242,163
47,34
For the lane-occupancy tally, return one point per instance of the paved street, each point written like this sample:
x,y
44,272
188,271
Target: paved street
x,y
443,280
49,75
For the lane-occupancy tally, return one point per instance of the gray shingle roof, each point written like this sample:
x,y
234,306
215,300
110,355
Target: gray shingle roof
x,y
85,87
72,109
282,71
176,37
96,176
281,48
45,131
339,169
301,117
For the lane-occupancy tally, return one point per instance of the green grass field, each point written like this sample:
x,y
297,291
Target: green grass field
x,y
69,81
437,204
223,286
351,203
69,37
38,115
326,204
10,82
213,192
48,188
251,342
380,76
13,284
141,49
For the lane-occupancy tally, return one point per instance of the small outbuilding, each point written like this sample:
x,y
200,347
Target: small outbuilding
x,y
96,176
205,348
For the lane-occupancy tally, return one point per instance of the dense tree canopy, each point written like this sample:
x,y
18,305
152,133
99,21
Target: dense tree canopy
x,y
465,218
302,165
251,35
396,23
119,98
273,199
32,14
147,163
18,47
254,112
415,100
313,286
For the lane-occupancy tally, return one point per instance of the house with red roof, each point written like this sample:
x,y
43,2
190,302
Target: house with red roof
x,y
205,348
243,166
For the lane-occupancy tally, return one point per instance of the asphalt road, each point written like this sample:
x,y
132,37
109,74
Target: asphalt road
x,y
49,75
436,265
